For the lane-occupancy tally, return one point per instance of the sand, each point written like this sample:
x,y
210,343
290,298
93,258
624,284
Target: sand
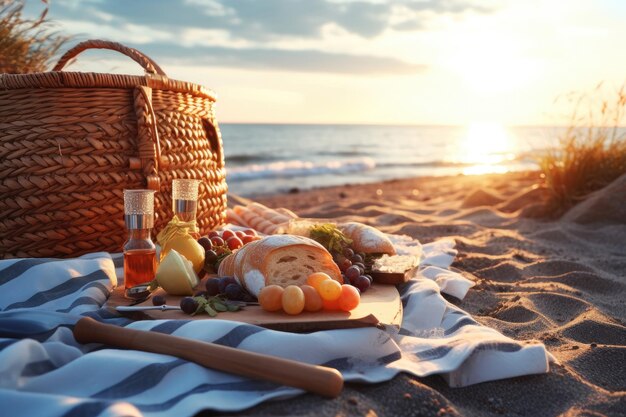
x,y
560,281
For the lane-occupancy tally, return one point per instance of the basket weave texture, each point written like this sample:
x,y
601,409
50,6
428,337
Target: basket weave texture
x,y
70,143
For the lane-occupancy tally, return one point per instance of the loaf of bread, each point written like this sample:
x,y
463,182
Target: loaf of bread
x,y
367,239
278,259
259,217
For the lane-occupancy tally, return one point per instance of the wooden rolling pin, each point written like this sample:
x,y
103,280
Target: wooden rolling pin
x,y
318,379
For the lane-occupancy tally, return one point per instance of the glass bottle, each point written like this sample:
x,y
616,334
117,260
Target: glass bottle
x,y
140,262
185,200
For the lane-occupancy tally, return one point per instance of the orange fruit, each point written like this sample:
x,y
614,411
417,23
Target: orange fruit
x,y
316,278
271,297
293,300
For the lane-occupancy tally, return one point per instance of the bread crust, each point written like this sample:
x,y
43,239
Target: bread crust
x,y
234,218
364,238
367,239
260,218
278,259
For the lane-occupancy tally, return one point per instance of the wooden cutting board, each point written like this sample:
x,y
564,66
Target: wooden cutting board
x,y
379,305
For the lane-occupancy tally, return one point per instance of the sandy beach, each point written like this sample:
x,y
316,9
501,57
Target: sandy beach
x,y
314,106
559,281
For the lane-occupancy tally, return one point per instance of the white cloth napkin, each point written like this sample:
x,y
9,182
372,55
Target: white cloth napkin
x,y
45,372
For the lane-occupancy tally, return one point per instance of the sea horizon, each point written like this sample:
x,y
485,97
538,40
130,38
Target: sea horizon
x,y
451,125
268,158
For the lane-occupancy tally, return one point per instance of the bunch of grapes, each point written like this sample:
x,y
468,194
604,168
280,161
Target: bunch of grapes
x,y
221,294
353,267
218,245
229,287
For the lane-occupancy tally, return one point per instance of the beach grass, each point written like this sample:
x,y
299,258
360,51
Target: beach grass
x,y
26,44
590,154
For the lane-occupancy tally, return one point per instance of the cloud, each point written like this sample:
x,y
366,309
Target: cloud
x,y
285,60
255,24
449,6
267,19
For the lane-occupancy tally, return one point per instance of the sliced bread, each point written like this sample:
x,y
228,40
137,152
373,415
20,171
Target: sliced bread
x,y
278,259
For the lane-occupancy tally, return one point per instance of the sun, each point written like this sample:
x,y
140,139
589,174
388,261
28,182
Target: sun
x,y
484,148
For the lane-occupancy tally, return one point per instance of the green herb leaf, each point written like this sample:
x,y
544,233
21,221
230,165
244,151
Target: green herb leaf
x,y
221,257
214,305
202,302
210,311
217,305
232,307
329,236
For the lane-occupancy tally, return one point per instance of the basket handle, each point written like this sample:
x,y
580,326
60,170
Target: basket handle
x,y
146,62
148,143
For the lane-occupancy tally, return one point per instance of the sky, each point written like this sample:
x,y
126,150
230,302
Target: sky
x,y
418,62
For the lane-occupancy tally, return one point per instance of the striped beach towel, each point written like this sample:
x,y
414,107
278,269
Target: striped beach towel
x,y
45,372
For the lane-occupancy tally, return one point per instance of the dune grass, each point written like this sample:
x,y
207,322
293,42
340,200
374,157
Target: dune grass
x,y
26,45
590,154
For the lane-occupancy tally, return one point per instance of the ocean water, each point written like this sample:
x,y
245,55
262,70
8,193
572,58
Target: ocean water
x,y
271,158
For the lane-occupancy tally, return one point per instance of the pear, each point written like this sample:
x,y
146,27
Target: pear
x,y
176,275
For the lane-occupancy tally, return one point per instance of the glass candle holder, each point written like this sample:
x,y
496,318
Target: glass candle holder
x,y
140,261
185,199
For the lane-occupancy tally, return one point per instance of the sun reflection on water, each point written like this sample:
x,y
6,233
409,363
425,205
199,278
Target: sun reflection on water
x,y
485,148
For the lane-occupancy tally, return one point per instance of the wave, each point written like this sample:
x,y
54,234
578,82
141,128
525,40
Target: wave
x,y
250,158
244,158
298,168
352,153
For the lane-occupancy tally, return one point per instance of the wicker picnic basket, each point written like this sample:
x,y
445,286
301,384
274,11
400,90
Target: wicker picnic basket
x,y
71,142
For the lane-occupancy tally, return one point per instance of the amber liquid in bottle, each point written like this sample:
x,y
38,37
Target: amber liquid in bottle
x,y
140,262
140,266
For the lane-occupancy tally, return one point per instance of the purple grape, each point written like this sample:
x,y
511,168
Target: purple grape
x,y
353,272
360,266
210,258
369,277
234,292
361,282
344,264
357,259
348,253
158,300
224,281
205,242
338,257
212,286
188,305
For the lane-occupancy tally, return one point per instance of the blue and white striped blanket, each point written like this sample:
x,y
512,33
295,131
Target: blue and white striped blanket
x,y
45,372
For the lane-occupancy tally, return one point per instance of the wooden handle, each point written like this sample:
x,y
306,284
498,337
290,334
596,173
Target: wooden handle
x,y
318,379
